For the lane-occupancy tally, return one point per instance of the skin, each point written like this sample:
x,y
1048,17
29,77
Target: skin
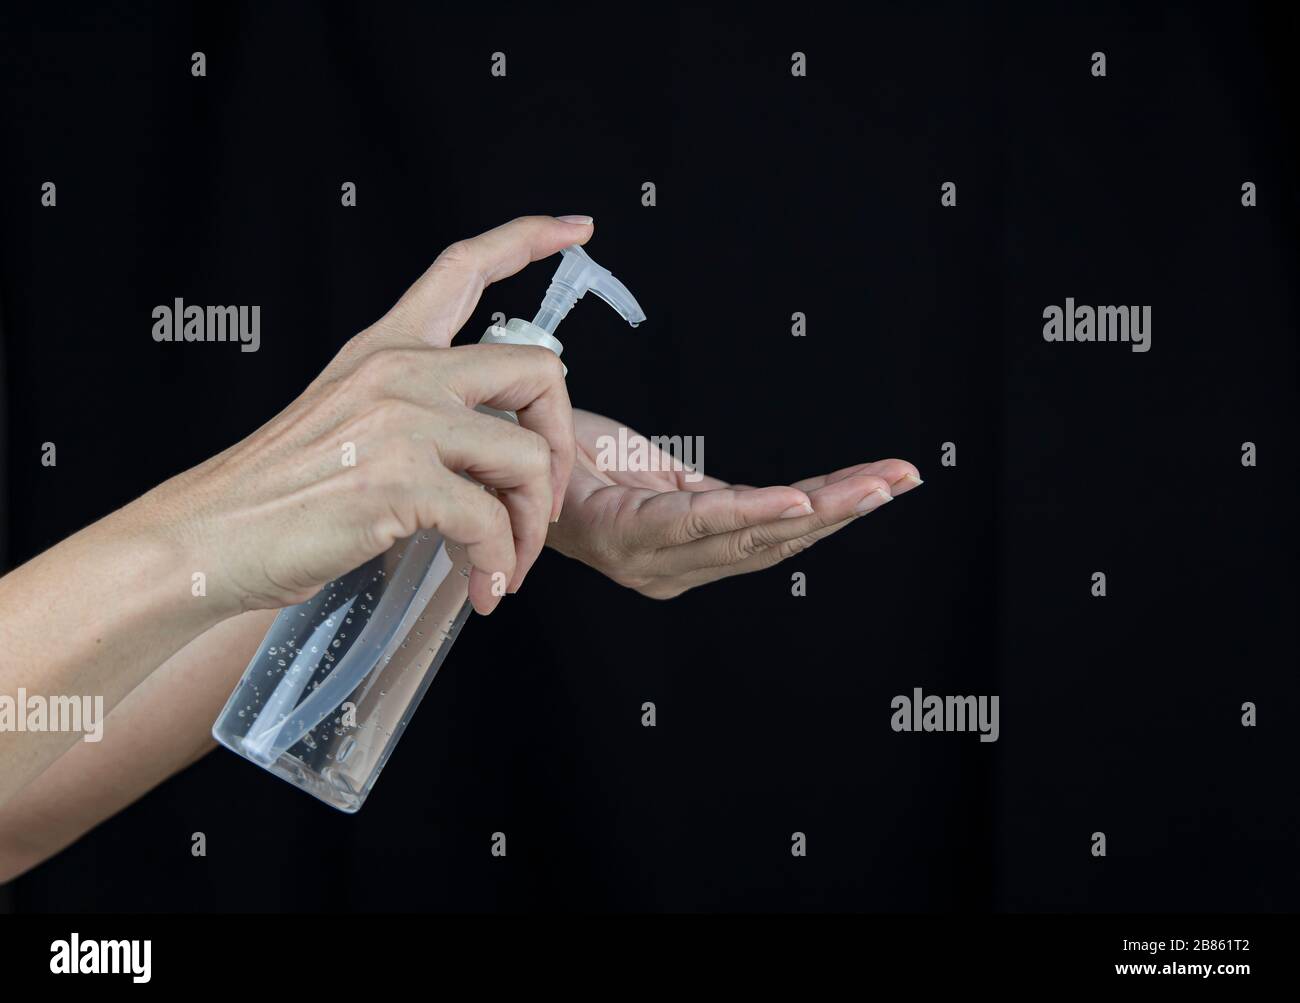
x,y
662,532
275,517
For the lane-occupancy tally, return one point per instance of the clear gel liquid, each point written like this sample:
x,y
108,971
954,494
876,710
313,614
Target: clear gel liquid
x,y
296,711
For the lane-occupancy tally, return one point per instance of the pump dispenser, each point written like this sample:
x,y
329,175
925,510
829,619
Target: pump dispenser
x,y
576,276
337,678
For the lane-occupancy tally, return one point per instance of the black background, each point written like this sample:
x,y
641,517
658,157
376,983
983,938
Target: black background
x,y
775,195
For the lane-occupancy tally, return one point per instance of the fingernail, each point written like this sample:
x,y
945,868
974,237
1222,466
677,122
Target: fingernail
x,y
574,219
873,501
913,478
795,511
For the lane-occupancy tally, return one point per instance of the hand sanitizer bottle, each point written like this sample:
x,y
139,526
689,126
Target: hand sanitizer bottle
x,y
337,678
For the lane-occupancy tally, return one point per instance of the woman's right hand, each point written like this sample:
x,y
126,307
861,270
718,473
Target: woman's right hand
x,y
373,449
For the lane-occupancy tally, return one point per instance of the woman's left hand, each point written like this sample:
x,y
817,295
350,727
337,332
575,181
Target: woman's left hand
x,y
664,531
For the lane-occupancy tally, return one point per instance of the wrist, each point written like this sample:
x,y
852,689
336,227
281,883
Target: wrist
x,y
172,546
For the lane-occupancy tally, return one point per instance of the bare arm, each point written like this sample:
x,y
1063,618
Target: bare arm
x,y
89,619
102,616
684,531
159,728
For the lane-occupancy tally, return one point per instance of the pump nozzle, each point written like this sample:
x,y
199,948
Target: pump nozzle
x,y
577,275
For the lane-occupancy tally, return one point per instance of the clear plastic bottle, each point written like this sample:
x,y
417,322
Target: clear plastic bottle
x,y
337,678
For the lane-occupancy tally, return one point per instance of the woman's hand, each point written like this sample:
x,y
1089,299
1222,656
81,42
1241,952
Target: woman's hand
x,y
369,453
659,533
373,449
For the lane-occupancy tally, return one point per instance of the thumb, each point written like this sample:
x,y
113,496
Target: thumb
x,y
442,299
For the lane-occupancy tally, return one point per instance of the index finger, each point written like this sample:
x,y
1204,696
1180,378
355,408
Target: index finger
x,y
442,299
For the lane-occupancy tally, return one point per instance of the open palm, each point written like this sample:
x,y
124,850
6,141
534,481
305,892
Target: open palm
x,y
663,531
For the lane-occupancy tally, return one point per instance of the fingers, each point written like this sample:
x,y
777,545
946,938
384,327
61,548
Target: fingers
x,y
530,382
673,518
833,506
442,299
514,462
900,474
521,378
464,512
425,393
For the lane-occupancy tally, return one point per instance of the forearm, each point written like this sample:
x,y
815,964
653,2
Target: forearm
x,y
90,618
159,728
